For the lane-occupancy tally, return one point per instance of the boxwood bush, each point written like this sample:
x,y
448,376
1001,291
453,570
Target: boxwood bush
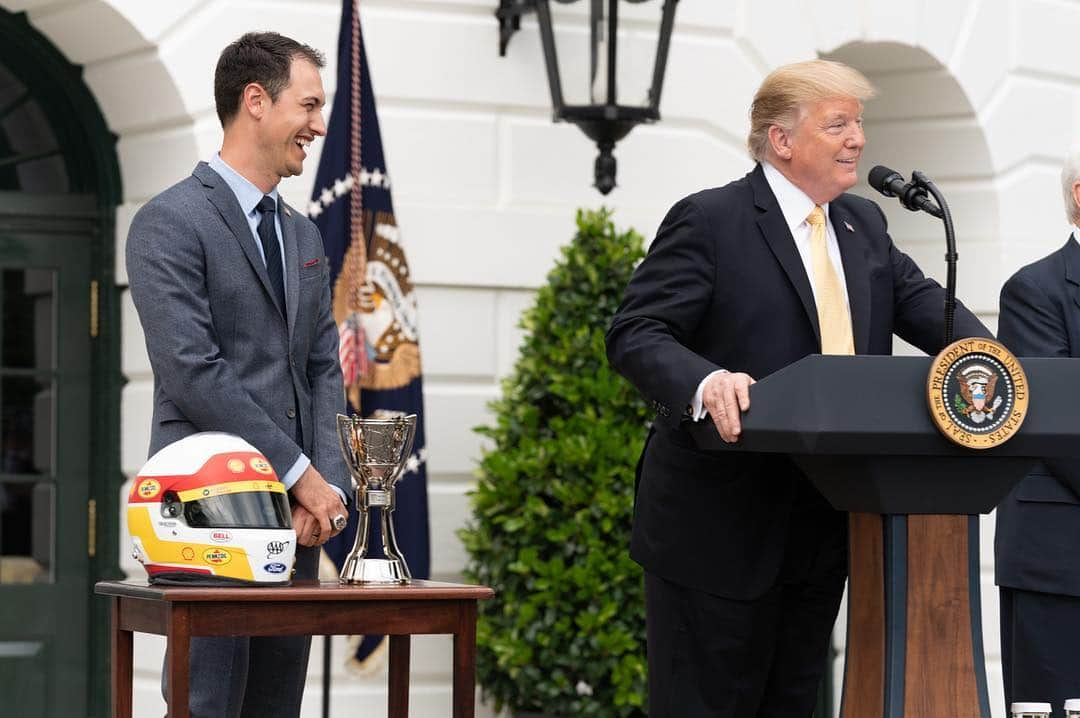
x,y
565,634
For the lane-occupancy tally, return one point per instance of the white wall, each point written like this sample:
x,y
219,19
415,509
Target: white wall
x,y
981,94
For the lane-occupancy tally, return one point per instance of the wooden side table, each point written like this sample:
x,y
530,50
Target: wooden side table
x,y
305,608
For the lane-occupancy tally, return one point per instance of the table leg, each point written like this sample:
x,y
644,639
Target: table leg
x,y
399,676
121,665
177,659
465,662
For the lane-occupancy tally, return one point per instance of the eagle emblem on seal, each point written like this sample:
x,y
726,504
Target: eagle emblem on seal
x,y
976,400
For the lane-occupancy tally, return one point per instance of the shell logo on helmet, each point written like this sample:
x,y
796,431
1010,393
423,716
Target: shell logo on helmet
x,y
219,519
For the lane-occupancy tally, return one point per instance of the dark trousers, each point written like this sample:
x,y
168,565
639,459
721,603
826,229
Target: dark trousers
x,y
1040,647
714,657
257,677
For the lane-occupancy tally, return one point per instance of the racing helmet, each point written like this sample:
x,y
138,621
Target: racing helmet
x,y
209,510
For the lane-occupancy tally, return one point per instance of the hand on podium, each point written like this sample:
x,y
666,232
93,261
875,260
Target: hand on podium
x,y
725,396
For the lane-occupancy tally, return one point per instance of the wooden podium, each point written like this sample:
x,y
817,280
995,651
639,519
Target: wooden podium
x,y
861,430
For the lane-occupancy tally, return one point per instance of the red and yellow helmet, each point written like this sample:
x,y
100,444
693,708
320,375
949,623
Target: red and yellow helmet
x,y
208,509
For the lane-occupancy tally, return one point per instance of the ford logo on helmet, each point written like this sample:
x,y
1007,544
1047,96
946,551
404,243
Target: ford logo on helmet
x,y
275,568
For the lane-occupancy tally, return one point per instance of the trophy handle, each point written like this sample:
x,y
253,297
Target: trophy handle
x,y
344,435
409,425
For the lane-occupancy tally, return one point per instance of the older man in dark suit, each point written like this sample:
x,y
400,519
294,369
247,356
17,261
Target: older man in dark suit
x,y
744,560
1037,541
233,293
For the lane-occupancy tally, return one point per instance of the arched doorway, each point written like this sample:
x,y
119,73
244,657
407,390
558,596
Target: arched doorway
x,y
59,379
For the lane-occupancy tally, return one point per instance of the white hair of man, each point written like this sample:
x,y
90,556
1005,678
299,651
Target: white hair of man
x,y
1070,175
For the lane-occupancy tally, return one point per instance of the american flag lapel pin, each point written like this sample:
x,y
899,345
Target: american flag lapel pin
x,y
847,225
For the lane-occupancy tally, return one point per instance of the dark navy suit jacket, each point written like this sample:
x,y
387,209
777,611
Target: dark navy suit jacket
x,y
723,286
1037,541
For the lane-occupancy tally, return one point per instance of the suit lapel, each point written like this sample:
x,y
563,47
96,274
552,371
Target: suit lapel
x,y
292,264
777,235
224,200
1071,254
853,255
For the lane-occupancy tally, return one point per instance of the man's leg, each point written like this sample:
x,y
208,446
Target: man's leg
x,y
815,568
806,620
1043,636
1008,653
708,656
217,677
277,665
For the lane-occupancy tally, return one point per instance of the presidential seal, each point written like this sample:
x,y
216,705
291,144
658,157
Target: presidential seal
x,y
978,393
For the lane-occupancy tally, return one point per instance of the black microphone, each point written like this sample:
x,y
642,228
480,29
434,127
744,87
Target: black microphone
x,y
892,184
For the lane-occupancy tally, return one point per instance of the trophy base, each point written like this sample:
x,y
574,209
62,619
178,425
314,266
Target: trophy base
x,y
374,570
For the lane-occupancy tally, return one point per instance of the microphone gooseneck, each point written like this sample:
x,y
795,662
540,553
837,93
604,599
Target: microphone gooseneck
x,y
915,196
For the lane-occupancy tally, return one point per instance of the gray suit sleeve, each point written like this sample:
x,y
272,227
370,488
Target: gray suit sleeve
x,y
327,391
166,266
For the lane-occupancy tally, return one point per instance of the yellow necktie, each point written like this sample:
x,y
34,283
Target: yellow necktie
x,y
832,311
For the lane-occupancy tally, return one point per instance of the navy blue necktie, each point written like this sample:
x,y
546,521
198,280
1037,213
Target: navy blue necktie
x,y
271,249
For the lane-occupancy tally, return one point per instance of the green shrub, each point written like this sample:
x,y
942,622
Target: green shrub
x,y
565,634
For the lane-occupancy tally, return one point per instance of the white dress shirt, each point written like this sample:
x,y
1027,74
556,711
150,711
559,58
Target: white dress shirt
x,y
796,207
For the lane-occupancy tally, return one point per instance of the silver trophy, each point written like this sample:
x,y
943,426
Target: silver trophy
x,y
376,451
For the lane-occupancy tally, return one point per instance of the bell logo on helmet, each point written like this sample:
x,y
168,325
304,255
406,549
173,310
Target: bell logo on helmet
x,y
221,536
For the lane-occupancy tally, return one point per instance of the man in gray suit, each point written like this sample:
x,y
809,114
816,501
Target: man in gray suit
x,y
232,290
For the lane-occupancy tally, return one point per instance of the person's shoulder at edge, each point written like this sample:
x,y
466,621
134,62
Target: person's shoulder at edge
x,y
737,190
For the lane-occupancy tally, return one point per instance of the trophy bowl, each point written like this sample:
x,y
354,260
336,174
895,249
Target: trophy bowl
x,y
376,451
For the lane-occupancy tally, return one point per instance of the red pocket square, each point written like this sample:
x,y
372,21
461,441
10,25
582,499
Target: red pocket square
x,y
311,262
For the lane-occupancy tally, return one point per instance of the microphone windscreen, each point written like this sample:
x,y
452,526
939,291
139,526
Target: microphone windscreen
x,y
879,179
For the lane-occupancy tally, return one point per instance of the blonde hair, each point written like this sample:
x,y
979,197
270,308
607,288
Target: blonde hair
x,y
789,88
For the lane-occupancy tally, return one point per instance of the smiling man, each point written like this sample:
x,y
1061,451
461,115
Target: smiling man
x,y
744,560
234,299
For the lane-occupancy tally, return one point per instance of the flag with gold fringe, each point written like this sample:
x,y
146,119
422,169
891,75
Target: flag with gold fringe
x,y
374,297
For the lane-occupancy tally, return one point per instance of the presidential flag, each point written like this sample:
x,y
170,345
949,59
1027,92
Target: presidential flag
x,y
374,297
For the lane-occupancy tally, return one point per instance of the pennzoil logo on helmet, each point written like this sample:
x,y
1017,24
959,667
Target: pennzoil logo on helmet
x,y
204,509
978,393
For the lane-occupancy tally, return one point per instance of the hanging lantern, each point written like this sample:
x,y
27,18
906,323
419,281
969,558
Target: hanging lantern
x,y
603,120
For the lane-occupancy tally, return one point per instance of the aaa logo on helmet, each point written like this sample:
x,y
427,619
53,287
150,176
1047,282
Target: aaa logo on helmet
x,y
217,556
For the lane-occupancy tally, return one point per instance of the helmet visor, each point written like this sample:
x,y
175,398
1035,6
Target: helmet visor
x,y
243,509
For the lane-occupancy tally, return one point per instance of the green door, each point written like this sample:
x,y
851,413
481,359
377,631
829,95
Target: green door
x,y
45,367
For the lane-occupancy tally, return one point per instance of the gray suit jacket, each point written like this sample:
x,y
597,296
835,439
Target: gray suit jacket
x,y
225,358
